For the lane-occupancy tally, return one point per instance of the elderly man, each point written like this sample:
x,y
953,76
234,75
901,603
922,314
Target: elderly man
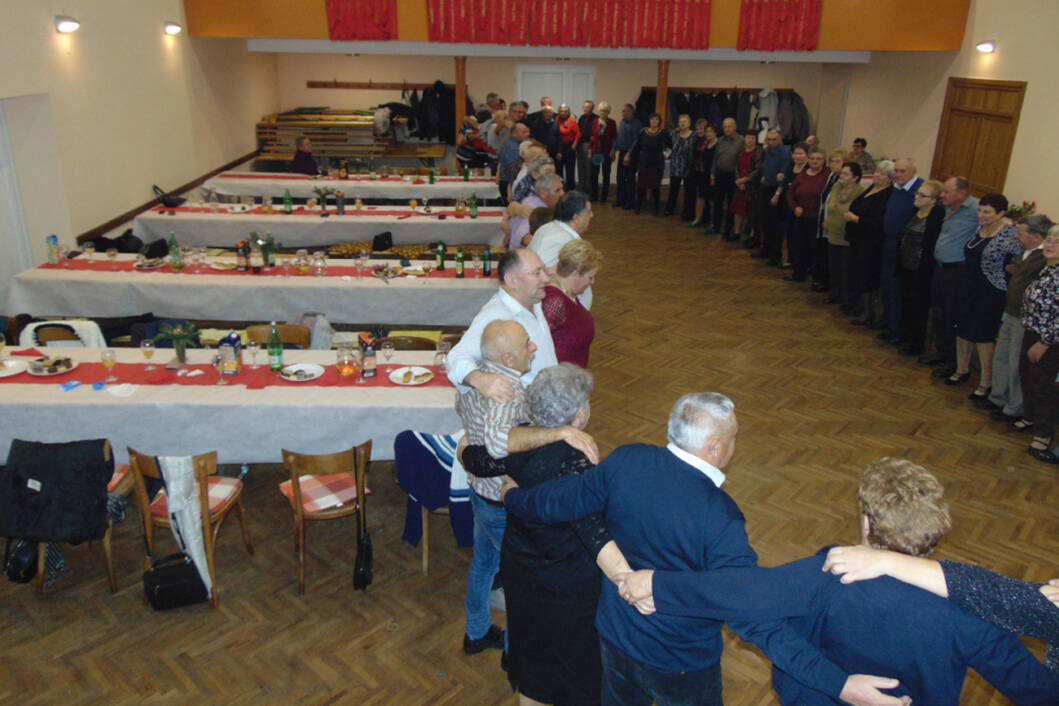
x,y
303,158
546,131
573,214
665,508
1005,399
508,159
722,177
961,222
547,192
584,149
924,639
628,134
775,168
522,184
858,155
533,117
899,208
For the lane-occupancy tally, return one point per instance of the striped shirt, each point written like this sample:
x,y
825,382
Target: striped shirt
x,y
488,423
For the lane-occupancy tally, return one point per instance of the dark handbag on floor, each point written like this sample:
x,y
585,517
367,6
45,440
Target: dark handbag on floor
x,y
20,560
382,241
172,582
364,565
168,200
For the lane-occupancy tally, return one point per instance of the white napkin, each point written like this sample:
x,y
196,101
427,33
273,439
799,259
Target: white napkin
x,y
123,390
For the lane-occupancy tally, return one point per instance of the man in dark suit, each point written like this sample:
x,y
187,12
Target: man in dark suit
x,y
878,625
899,208
665,508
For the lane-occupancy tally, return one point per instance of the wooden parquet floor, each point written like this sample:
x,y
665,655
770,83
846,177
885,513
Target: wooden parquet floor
x,y
676,311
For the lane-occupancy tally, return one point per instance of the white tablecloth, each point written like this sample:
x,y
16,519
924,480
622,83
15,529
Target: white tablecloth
x,y
225,229
261,184
242,425
105,293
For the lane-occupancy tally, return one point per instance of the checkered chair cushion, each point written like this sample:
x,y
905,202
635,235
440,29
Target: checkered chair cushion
x,y
121,473
221,491
323,492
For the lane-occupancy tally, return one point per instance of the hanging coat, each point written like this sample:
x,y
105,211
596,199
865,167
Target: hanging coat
x,y
185,512
767,104
742,115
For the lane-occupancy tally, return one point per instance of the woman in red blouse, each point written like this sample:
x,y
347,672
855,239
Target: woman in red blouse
x,y
604,134
569,139
571,324
803,197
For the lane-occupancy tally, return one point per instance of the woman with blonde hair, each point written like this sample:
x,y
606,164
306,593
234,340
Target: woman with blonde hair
x,y
571,324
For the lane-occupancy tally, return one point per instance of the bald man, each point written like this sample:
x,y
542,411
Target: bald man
x,y
722,176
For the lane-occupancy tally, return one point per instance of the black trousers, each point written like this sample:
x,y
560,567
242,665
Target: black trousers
x,y
674,192
569,167
945,300
723,191
819,268
605,168
1038,386
626,180
803,233
915,304
769,218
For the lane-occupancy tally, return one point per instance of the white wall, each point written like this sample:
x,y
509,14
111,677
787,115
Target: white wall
x,y
131,106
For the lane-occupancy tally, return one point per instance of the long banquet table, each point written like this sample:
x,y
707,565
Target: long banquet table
x,y
93,289
199,225
243,425
273,184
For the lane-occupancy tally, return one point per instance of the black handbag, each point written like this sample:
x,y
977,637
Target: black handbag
x,y
173,581
364,564
382,241
167,200
20,560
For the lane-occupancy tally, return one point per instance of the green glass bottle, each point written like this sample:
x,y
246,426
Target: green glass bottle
x,y
459,263
466,173
288,202
270,250
472,206
441,257
175,261
432,175
275,349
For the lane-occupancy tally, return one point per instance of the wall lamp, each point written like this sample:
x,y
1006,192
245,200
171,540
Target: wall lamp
x,y
172,28
66,24
986,47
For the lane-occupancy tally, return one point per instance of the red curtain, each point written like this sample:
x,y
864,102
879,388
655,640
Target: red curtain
x,y
654,24
362,19
779,25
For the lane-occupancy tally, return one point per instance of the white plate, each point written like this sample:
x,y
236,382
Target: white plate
x,y
73,366
309,371
416,271
12,367
420,375
225,266
149,266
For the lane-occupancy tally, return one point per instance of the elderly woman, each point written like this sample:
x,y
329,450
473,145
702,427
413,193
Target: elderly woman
x,y
538,165
1040,350
649,155
747,181
839,263
803,198
547,189
571,324
601,142
864,231
820,272
681,164
569,138
984,286
915,262
705,144
551,584
799,163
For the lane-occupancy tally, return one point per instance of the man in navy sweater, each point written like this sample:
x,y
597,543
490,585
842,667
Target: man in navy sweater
x,y
899,208
665,508
879,625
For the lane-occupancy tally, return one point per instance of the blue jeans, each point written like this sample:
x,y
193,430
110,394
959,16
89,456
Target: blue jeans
x,y
627,682
489,522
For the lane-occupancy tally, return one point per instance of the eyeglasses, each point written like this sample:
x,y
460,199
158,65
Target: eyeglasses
x,y
920,194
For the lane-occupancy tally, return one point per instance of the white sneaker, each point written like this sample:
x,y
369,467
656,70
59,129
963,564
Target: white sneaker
x,y
497,600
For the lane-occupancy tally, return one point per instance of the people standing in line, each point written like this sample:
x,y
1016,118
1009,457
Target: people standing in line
x,y
899,209
649,155
839,252
722,177
799,161
681,163
961,222
585,173
821,273
628,134
775,168
803,198
747,181
864,231
602,136
705,144
915,243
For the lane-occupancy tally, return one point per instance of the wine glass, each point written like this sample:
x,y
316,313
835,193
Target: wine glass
x,y
112,253
218,364
412,203
440,359
109,358
387,354
426,205
476,262
64,256
147,348
90,249
2,342
358,361
252,347
365,262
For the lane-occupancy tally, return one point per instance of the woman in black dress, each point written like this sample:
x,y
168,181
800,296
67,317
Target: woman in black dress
x,y
915,263
551,583
649,153
864,231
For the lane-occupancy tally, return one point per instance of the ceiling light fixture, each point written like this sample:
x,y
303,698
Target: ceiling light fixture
x,y
986,47
173,28
66,24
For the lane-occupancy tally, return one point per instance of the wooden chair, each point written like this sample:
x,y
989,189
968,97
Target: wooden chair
x,y
288,333
217,495
336,489
425,542
407,343
55,332
107,554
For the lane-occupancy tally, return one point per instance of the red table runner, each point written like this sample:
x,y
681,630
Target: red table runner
x,y
332,270
350,211
254,379
302,177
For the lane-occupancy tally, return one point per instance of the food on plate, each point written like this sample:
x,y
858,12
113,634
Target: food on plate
x,y
298,374
150,263
407,377
422,377
50,366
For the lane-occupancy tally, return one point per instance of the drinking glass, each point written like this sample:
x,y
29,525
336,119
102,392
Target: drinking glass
x,y
64,256
108,358
90,250
426,205
252,347
412,203
365,262
476,262
2,342
218,364
345,362
387,354
444,346
358,360
147,348
440,359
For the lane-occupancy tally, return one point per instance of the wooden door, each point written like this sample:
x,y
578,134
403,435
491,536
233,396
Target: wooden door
x,y
977,131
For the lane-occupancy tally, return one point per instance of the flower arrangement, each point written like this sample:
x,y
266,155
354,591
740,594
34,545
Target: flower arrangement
x,y
1020,211
181,334
322,192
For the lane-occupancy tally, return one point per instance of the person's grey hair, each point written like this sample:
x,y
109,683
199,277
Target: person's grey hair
x,y
696,416
562,107
557,393
682,116
629,106
603,105
886,167
1054,230
1037,223
539,161
300,140
492,344
547,182
591,102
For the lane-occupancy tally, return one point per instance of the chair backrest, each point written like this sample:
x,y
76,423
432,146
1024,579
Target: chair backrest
x,y
354,460
288,333
144,466
408,343
70,333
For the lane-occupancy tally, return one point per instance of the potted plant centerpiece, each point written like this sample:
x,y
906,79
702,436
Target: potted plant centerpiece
x,y
182,335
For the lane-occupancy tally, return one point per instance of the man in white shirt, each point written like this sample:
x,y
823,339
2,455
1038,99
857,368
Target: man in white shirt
x,y
573,214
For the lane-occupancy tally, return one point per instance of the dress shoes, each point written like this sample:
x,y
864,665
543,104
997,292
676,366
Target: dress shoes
x,y
984,403
830,300
1020,426
1000,416
491,640
944,372
975,397
731,237
758,255
878,324
817,287
792,278
910,349
935,359
1043,455
884,335
957,378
